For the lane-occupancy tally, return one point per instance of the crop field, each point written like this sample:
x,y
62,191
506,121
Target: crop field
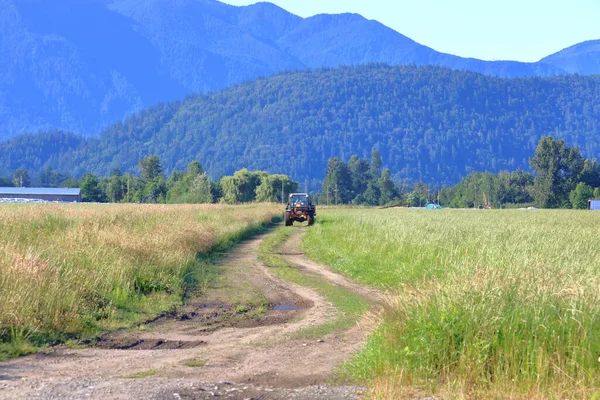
x,y
479,303
67,271
484,304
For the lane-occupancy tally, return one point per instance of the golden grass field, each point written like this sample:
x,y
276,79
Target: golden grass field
x,y
70,270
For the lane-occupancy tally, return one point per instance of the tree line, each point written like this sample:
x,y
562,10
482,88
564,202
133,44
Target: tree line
x,y
358,182
561,178
152,186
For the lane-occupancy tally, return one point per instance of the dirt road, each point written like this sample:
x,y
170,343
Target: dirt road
x,y
235,341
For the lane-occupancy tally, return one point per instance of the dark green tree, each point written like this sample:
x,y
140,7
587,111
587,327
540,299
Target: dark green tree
x,y
521,183
115,188
580,196
90,189
387,188
558,169
155,184
360,175
502,188
150,168
337,186
372,195
156,190
376,163
590,174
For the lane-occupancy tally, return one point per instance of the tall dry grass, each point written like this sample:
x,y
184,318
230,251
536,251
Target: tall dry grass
x,y
68,270
487,304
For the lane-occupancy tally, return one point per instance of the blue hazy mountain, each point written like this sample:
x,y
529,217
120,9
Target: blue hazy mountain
x,y
583,58
81,65
431,124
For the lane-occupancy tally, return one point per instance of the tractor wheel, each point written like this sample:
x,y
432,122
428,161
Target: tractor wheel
x,y
311,220
287,219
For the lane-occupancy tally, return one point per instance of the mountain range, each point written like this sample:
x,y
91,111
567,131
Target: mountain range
x,y
82,65
431,124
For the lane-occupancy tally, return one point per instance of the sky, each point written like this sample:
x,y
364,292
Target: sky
x,y
521,30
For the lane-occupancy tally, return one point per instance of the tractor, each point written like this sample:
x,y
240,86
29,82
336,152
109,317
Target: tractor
x,y
300,209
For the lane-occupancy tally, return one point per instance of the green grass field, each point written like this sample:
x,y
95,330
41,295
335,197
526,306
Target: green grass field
x,y
484,304
68,271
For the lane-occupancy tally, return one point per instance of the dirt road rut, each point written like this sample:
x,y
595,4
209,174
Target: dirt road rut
x,y
209,348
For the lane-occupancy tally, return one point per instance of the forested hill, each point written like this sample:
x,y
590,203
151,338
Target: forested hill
x,y
432,124
81,65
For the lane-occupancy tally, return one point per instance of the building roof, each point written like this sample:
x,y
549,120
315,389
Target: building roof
x,y
39,191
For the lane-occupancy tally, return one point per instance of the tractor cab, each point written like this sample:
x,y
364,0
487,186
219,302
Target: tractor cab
x,y
299,200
